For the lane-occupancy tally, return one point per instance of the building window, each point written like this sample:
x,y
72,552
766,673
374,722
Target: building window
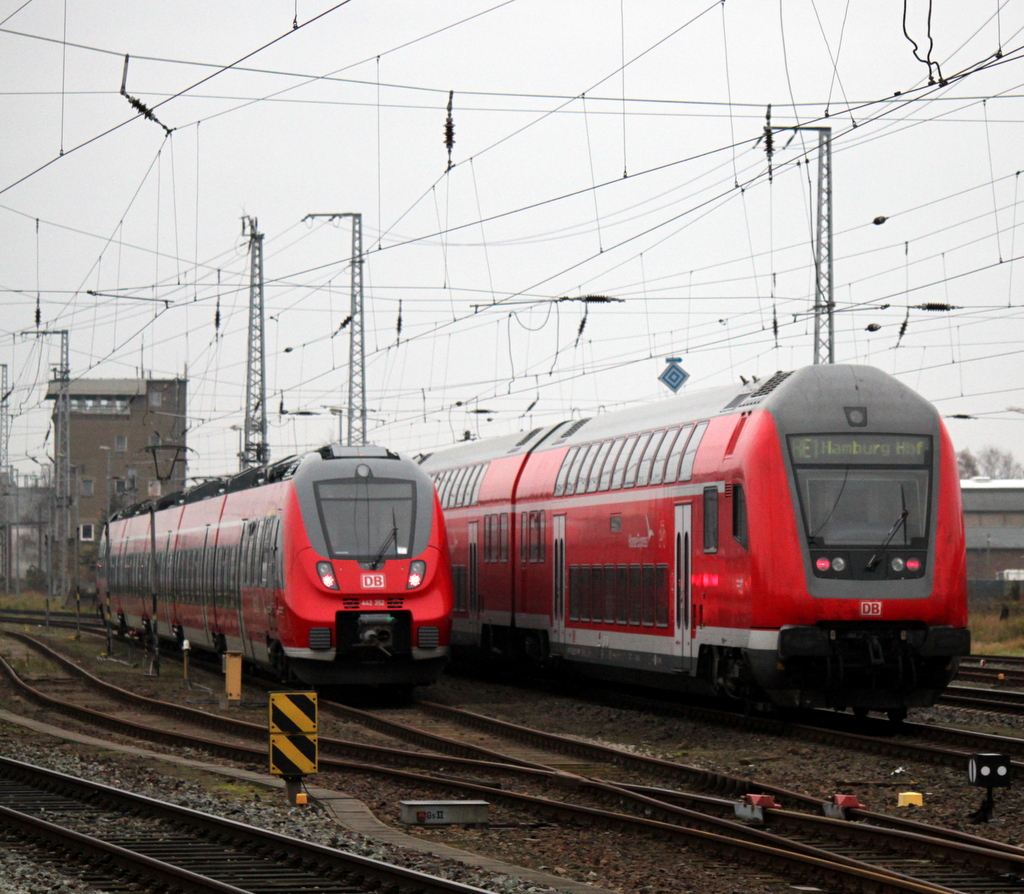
x,y
121,485
154,489
85,532
121,443
156,398
87,486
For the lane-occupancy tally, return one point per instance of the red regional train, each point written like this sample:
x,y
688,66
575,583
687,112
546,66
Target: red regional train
x,y
797,542
332,568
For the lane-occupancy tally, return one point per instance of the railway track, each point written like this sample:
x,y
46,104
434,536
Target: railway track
x,y
876,853
132,842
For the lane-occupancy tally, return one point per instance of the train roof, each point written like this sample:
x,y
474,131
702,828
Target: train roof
x,y
257,476
791,396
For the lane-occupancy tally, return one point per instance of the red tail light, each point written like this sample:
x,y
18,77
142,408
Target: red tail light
x,y
913,564
823,564
325,571
417,572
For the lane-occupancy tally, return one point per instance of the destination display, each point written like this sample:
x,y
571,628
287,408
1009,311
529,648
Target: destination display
x,y
860,449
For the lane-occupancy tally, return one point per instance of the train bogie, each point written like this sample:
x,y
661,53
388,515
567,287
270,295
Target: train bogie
x,y
799,542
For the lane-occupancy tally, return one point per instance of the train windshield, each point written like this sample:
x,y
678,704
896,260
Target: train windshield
x,y
367,517
863,490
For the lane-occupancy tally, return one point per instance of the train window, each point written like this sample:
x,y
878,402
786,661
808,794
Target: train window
x,y
629,479
584,588
739,515
672,464
563,472
588,464
503,537
635,593
367,517
524,536
609,594
440,484
574,472
473,490
686,469
449,488
574,592
460,487
658,466
597,593
488,537
664,595
610,463
711,519
595,469
622,461
648,595
537,536
621,594
643,474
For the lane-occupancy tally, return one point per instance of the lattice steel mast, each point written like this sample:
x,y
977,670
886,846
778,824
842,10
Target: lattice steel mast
x,y
824,298
5,477
357,346
256,450
61,465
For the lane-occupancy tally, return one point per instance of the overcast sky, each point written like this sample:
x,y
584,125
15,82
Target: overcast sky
x,y
602,147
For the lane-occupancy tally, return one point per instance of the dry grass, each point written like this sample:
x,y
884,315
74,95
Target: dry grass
x,y
992,636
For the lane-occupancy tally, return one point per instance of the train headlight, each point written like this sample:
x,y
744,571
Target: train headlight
x,y
839,564
897,564
325,571
417,572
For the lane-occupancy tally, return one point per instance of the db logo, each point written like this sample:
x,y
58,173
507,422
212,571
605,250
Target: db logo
x,y
376,582
871,609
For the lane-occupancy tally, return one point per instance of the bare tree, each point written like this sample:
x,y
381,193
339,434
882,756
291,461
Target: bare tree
x,y
967,463
996,463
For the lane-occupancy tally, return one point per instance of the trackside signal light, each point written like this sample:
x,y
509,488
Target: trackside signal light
x,y
417,572
325,571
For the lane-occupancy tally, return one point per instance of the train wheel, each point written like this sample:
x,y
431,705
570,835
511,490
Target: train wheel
x,y
897,715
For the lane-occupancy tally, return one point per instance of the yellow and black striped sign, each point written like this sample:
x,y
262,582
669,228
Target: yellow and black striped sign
x,y
293,733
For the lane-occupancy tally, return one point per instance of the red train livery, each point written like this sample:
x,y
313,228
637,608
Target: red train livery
x,y
799,541
332,568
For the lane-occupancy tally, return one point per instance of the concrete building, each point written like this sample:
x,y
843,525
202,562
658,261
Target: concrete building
x,y
994,525
114,423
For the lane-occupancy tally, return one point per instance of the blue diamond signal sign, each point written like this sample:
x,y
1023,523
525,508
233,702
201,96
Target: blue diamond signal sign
x,y
674,375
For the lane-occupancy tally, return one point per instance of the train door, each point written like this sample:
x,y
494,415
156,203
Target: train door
x,y
684,601
474,581
202,586
558,580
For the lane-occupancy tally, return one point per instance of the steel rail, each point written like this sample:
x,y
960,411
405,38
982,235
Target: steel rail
x,y
1001,862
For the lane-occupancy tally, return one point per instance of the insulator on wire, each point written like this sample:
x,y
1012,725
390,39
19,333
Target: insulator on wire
x,y
398,326
449,131
936,306
769,145
39,313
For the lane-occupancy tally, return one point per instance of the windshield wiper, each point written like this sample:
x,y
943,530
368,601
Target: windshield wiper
x,y
391,538
900,522
835,505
